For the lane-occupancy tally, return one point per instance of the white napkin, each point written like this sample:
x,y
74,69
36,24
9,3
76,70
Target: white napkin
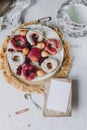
x,y
14,14
59,95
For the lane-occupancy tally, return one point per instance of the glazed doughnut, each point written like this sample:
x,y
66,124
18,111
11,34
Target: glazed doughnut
x,y
16,58
34,37
29,72
49,65
19,42
52,46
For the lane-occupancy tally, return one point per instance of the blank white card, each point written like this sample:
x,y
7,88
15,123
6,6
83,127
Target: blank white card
x,y
59,95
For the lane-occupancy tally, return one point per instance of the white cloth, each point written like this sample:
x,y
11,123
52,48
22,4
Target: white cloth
x,y
13,15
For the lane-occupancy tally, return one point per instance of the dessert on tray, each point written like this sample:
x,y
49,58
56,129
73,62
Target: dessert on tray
x,y
34,53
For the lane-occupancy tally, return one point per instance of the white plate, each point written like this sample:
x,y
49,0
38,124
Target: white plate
x,y
49,34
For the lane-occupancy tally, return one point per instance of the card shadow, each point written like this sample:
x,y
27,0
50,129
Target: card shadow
x,y
75,94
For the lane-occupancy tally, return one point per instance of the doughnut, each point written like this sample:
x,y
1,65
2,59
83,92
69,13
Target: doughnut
x,y
49,65
52,46
34,37
29,72
19,42
16,58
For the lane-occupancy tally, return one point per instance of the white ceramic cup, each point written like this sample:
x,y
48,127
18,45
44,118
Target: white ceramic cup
x,y
72,19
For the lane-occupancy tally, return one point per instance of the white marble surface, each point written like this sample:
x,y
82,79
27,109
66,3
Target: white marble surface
x,y
12,100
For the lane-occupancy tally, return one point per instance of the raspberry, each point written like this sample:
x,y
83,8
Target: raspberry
x,y
27,61
41,59
28,45
19,70
28,72
11,50
35,38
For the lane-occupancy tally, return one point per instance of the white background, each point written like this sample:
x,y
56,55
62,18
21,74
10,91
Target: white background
x,y
12,100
